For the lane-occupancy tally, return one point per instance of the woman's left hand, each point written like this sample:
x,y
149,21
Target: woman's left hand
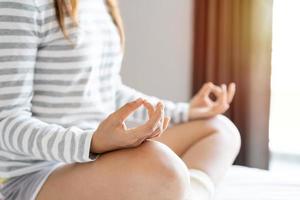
x,y
202,106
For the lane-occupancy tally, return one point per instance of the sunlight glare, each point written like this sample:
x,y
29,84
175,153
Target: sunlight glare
x,y
285,100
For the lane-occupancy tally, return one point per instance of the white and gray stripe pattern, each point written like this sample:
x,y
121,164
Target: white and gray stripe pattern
x,y
53,92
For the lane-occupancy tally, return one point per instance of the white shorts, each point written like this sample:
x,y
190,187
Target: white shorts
x,y
26,187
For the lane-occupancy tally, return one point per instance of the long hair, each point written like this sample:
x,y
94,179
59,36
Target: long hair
x,y
70,8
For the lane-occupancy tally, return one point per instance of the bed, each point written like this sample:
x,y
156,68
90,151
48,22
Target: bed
x,y
242,183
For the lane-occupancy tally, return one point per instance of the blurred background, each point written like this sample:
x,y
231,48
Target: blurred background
x,y
173,47
159,47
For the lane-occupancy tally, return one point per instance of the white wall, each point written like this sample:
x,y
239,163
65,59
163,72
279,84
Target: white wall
x,y
158,55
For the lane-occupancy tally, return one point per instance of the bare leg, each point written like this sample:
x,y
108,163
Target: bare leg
x,y
151,171
208,145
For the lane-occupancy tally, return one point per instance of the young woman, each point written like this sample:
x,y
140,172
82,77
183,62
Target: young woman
x,y
63,109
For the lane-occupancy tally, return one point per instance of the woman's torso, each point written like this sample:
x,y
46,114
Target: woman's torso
x,y
74,82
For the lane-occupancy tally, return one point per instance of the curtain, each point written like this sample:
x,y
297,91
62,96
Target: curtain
x,y
233,43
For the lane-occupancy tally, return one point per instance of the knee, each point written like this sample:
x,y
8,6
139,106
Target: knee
x,y
227,130
161,159
152,169
164,172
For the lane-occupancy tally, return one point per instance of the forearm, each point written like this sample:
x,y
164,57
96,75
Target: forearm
x,y
22,134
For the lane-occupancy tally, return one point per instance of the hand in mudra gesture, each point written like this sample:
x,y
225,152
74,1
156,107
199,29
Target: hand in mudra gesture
x,y
113,134
202,106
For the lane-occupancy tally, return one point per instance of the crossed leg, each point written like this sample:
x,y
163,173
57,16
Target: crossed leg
x,y
153,170
208,145
150,171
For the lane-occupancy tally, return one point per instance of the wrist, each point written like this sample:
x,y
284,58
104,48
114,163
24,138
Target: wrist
x,y
92,149
96,146
184,112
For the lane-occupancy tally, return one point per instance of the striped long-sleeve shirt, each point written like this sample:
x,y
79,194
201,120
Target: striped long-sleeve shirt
x,y
53,92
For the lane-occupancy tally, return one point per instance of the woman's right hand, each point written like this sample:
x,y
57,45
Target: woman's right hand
x,y
112,133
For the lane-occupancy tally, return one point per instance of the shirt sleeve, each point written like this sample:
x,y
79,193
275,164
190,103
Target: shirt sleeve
x,y
177,111
20,132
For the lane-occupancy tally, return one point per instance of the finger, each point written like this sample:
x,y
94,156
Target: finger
x,y
231,92
222,98
166,123
151,111
140,138
127,109
152,124
206,89
149,107
224,94
158,116
217,91
221,104
165,126
155,134
162,120
123,125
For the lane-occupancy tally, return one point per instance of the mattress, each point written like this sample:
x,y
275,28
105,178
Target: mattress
x,y
242,183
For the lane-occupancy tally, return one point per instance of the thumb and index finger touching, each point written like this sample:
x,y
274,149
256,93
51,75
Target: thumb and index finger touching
x,y
219,91
156,117
154,114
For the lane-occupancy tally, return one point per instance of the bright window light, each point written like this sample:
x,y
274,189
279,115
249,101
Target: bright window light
x,y
285,100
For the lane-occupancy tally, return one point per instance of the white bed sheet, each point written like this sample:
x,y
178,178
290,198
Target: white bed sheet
x,y
242,183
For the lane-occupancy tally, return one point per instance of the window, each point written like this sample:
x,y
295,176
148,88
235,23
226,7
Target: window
x,y
285,99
